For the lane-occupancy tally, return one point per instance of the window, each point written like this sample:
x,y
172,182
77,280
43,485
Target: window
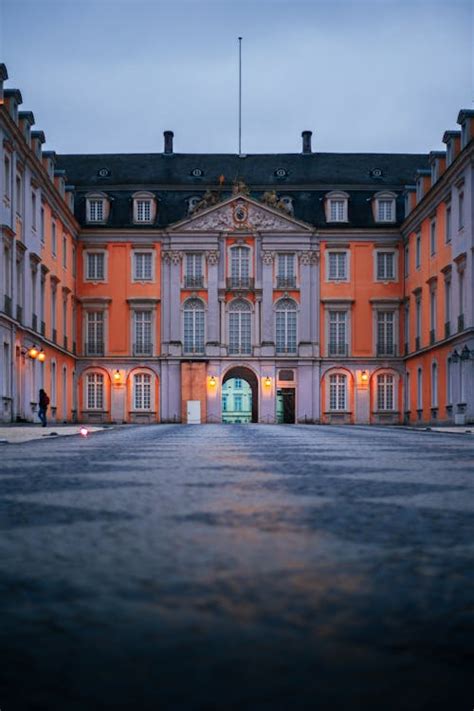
x,y
336,206
53,312
337,210
434,385
240,266
419,389
143,266
433,314
449,382
143,341
337,333
286,271
433,237
64,251
95,210
385,210
193,326
6,173
385,333
95,333
447,306
95,266
42,225
95,391
238,403
53,239
240,327
193,278
52,385
237,383
461,294
142,391
6,370
385,392
385,266
418,321
407,392
19,196
407,260
65,319
73,259
407,327
285,326
337,266
33,210
337,391
448,224
418,252
461,209
143,210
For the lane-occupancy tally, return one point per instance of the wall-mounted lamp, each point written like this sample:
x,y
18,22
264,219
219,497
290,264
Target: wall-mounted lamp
x,y
41,356
364,376
117,375
33,352
268,381
212,381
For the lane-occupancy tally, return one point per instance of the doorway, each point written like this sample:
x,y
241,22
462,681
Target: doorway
x,y
239,396
286,406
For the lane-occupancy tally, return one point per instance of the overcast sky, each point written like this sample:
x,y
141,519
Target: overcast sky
x,y
107,76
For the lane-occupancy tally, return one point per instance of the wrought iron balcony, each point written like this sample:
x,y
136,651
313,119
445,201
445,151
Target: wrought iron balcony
x,y
286,282
385,349
193,282
94,348
461,322
235,349
143,349
193,350
8,305
337,349
286,350
240,283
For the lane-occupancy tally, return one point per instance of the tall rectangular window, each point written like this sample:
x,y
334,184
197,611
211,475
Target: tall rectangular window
x,y
433,237
385,333
53,311
449,382
419,389
418,251
95,210
447,306
385,392
53,239
461,209
407,327
19,195
42,225
434,385
194,326
337,266
286,327
433,313
95,333
337,210
337,391
6,176
337,333
95,266
142,391
73,260
6,370
240,266
286,271
385,210
143,210
52,385
385,266
142,266
238,403
95,391
64,251
65,320
143,334
193,277
418,322
407,260
33,210
448,224
240,328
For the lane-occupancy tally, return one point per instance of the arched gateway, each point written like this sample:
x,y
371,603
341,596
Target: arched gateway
x,y
241,373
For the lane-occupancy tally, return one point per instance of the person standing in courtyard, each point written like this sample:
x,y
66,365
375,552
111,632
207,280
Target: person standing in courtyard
x,y
43,406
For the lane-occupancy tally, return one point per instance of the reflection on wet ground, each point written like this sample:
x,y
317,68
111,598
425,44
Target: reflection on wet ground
x,y
244,567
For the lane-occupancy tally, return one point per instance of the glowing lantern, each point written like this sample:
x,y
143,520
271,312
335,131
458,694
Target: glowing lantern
x,y
41,356
33,352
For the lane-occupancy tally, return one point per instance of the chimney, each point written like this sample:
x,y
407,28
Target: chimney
x,y
306,136
168,141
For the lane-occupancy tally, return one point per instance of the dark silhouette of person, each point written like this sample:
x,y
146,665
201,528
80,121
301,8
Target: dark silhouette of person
x,y
43,406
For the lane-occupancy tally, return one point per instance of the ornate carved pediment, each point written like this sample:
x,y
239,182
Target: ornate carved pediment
x,y
240,214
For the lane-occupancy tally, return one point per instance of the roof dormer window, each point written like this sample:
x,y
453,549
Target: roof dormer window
x,y
144,207
384,207
336,207
97,208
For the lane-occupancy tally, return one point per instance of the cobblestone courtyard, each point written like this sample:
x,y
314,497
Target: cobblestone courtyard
x,y
237,567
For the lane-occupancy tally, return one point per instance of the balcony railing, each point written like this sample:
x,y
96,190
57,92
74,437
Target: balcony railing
x,y
385,349
34,322
143,349
193,350
235,349
8,305
461,322
239,283
337,349
286,282
193,282
447,329
285,350
432,336
94,348
19,313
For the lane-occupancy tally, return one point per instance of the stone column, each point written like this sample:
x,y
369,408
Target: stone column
x,y
165,303
223,336
212,344
175,303
314,305
268,337
305,348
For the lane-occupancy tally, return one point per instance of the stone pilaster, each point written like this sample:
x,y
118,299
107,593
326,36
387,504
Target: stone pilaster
x,y
268,338
212,344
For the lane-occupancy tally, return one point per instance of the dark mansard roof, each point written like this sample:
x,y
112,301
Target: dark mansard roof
x,y
307,179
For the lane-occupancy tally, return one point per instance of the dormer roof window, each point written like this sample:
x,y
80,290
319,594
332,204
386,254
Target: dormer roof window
x,y
97,208
336,204
385,207
144,208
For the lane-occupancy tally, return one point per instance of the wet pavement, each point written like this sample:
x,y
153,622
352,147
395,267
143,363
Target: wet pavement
x,y
238,567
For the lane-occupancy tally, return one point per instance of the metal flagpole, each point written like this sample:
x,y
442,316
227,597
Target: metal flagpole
x,y
240,96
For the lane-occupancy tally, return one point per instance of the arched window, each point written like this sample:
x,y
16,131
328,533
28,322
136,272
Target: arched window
x,y
240,329
385,392
240,266
286,326
338,392
194,326
94,391
142,398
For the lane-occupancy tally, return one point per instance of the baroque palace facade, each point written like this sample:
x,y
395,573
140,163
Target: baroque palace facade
x,y
337,287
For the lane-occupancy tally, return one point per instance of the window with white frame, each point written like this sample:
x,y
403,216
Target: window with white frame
x,y
418,251
433,311
53,383
193,275
94,391
385,209
447,305
337,266
142,266
238,403
434,384
143,210
194,326
240,327
54,240
96,208
407,327
19,195
95,266
385,266
33,210
6,176
64,251
433,237
142,399
336,207
286,278
94,333
385,392
418,320
338,391
337,345
240,266
142,332
385,333
285,327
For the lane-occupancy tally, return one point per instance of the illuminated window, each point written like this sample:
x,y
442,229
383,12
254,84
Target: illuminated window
x,y
142,391
95,391
385,392
337,391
